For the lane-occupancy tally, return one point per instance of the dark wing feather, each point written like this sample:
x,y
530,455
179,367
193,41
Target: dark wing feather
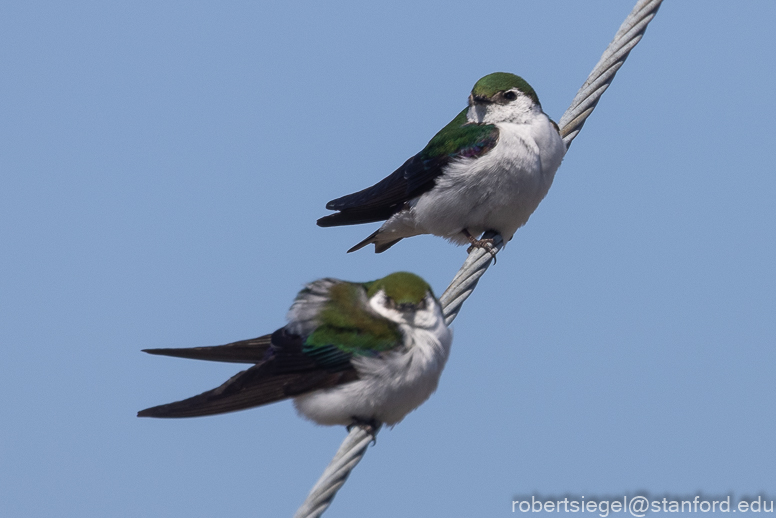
x,y
417,175
376,203
284,371
244,351
247,389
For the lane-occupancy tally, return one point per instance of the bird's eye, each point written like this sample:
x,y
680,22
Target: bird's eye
x,y
510,96
389,303
421,305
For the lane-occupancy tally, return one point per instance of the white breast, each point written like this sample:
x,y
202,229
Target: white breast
x,y
390,386
498,191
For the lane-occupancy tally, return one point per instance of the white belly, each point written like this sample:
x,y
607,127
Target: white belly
x,y
498,191
389,387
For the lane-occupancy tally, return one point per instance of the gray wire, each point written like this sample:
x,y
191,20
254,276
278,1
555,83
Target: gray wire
x,y
336,473
479,260
468,276
630,33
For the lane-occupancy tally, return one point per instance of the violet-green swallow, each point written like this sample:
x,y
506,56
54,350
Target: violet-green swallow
x,y
350,353
486,170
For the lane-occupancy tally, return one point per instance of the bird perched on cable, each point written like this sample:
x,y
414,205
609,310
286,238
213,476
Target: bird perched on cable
x,y
366,353
486,170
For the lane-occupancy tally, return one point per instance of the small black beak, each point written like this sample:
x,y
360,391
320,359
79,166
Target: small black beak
x,y
478,99
407,306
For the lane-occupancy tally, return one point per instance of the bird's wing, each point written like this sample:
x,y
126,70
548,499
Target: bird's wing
x,y
284,371
244,351
290,363
459,139
348,326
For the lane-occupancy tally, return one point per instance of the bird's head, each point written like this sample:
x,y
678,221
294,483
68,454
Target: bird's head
x,y
502,97
404,298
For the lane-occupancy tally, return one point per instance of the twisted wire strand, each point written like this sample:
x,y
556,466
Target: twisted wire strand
x,y
479,260
336,473
464,282
630,33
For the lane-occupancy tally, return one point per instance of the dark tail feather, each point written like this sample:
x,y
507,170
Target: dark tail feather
x,y
244,351
368,241
379,247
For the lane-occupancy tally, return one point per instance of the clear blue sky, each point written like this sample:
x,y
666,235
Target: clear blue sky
x,y
163,165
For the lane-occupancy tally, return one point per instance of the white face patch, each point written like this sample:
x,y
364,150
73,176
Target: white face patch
x,y
427,314
520,111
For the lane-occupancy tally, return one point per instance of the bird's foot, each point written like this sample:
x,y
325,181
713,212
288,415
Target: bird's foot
x,y
487,244
370,426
